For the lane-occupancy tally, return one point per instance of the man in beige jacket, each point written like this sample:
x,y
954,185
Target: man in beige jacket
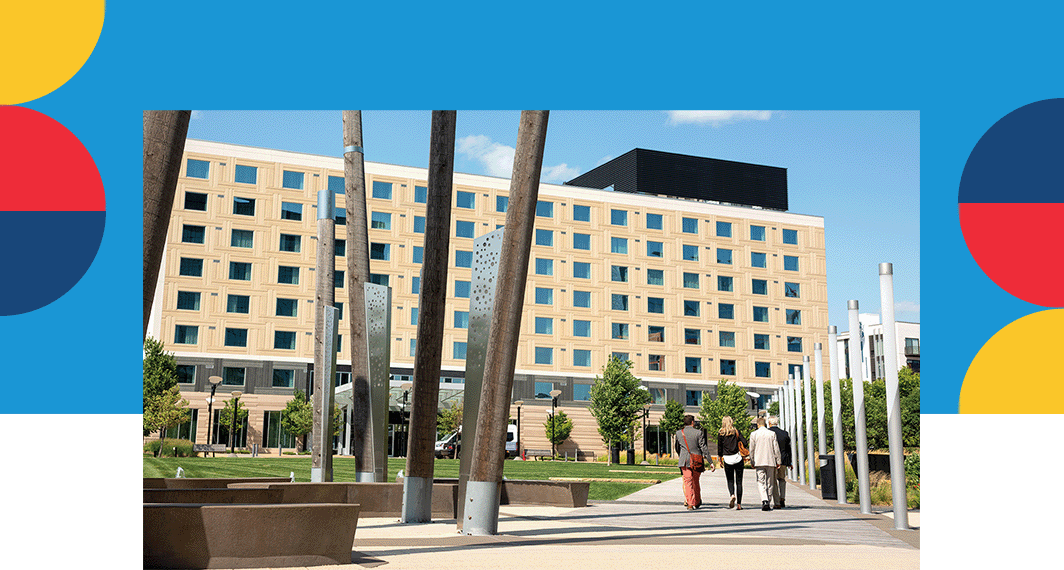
x,y
766,459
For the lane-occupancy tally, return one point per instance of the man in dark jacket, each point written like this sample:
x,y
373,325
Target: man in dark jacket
x,y
784,439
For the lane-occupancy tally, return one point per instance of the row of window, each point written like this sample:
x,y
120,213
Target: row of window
x,y
291,179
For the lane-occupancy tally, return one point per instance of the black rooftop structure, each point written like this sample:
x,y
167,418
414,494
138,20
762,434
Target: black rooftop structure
x,y
643,171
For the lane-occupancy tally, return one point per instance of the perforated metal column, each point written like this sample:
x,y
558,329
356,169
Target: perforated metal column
x,y
378,333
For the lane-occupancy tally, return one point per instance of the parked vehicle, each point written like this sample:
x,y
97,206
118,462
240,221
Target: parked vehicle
x,y
450,447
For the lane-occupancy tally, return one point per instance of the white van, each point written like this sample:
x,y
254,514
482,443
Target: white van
x,y
450,447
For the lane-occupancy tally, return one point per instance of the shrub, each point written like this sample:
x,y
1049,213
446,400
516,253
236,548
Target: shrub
x,y
912,470
170,447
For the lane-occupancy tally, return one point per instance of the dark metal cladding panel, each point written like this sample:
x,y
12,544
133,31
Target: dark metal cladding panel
x,y
684,176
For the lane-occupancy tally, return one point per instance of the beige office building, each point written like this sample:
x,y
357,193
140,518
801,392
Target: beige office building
x,y
692,291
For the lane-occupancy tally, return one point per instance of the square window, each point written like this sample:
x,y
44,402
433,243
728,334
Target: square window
x,y
656,362
544,266
242,238
459,351
198,169
582,328
655,276
725,283
284,340
619,217
380,221
191,267
236,337
292,180
724,229
724,256
582,299
244,206
186,374
544,325
545,237
757,233
340,217
461,289
761,314
283,377
790,236
622,356
619,245
794,344
336,185
692,365
656,334
691,308
759,287
419,224
694,397
792,290
544,296
762,370
727,339
653,221
246,174
415,286
192,234
655,249
238,304
690,280
413,347
464,229
287,307
620,331
690,225
339,310
581,213
692,336
188,300
758,259
502,203
461,319
413,316
655,305
582,241
581,358
463,258
287,275
290,243
185,334
382,190
619,273
195,201
794,317
291,211
544,209
543,390
581,270
725,311
340,247
761,341
467,200
690,252
240,271
421,194
582,392
727,367
544,355
381,251
232,376
619,302
790,263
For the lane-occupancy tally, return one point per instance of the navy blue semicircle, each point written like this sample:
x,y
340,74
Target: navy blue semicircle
x,y
1020,159
43,255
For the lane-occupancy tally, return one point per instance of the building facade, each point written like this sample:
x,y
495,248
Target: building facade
x,y
873,354
692,291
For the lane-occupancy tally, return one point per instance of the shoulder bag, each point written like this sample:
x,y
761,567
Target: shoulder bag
x,y
698,464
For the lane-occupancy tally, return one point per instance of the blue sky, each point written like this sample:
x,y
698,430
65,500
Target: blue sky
x,y
859,170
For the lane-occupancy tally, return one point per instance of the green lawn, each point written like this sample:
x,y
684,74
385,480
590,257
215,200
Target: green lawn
x,y
344,470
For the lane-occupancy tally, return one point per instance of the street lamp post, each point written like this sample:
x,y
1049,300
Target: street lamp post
x,y
215,381
553,405
405,387
519,403
646,414
232,423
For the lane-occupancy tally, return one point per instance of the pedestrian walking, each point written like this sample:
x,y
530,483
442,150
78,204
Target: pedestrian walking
x,y
784,440
690,444
728,440
766,459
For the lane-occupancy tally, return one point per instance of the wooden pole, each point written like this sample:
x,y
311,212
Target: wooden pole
x,y
432,306
324,296
482,492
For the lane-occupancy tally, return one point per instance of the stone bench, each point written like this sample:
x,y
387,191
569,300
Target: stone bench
x,y
247,536
535,492
205,482
215,496
377,499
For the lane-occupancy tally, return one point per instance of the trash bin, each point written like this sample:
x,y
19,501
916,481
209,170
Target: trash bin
x,y
827,478
615,455
631,456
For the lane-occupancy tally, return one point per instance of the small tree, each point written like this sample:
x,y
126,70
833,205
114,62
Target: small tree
x,y
558,428
225,417
774,409
730,401
449,419
671,421
617,400
160,374
297,418
164,411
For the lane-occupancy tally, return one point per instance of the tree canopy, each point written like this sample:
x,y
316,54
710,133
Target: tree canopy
x,y
875,412
449,419
558,427
731,401
163,405
617,399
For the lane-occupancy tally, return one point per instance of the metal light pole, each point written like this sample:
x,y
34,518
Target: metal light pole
x,y
890,360
646,415
806,388
519,403
799,418
211,430
836,416
857,371
405,387
553,405
232,422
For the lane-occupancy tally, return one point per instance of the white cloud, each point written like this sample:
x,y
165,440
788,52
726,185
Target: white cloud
x,y
498,159
604,160
906,307
716,118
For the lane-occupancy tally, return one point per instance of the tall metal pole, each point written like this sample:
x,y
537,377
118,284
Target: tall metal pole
x,y
324,296
822,439
482,492
836,416
432,303
856,369
890,359
799,418
811,468
792,428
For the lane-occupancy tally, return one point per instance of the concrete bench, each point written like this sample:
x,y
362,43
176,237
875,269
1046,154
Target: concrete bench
x,y
247,536
205,482
377,499
535,492
215,496
538,453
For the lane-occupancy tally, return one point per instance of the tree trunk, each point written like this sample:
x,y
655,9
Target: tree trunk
x,y
164,143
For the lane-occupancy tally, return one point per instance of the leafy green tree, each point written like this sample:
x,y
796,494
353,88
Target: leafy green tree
x,y
558,428
160,374
448,420
774,409
166,410
297,418
225,417
875,412
671,422
730,401
617,400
